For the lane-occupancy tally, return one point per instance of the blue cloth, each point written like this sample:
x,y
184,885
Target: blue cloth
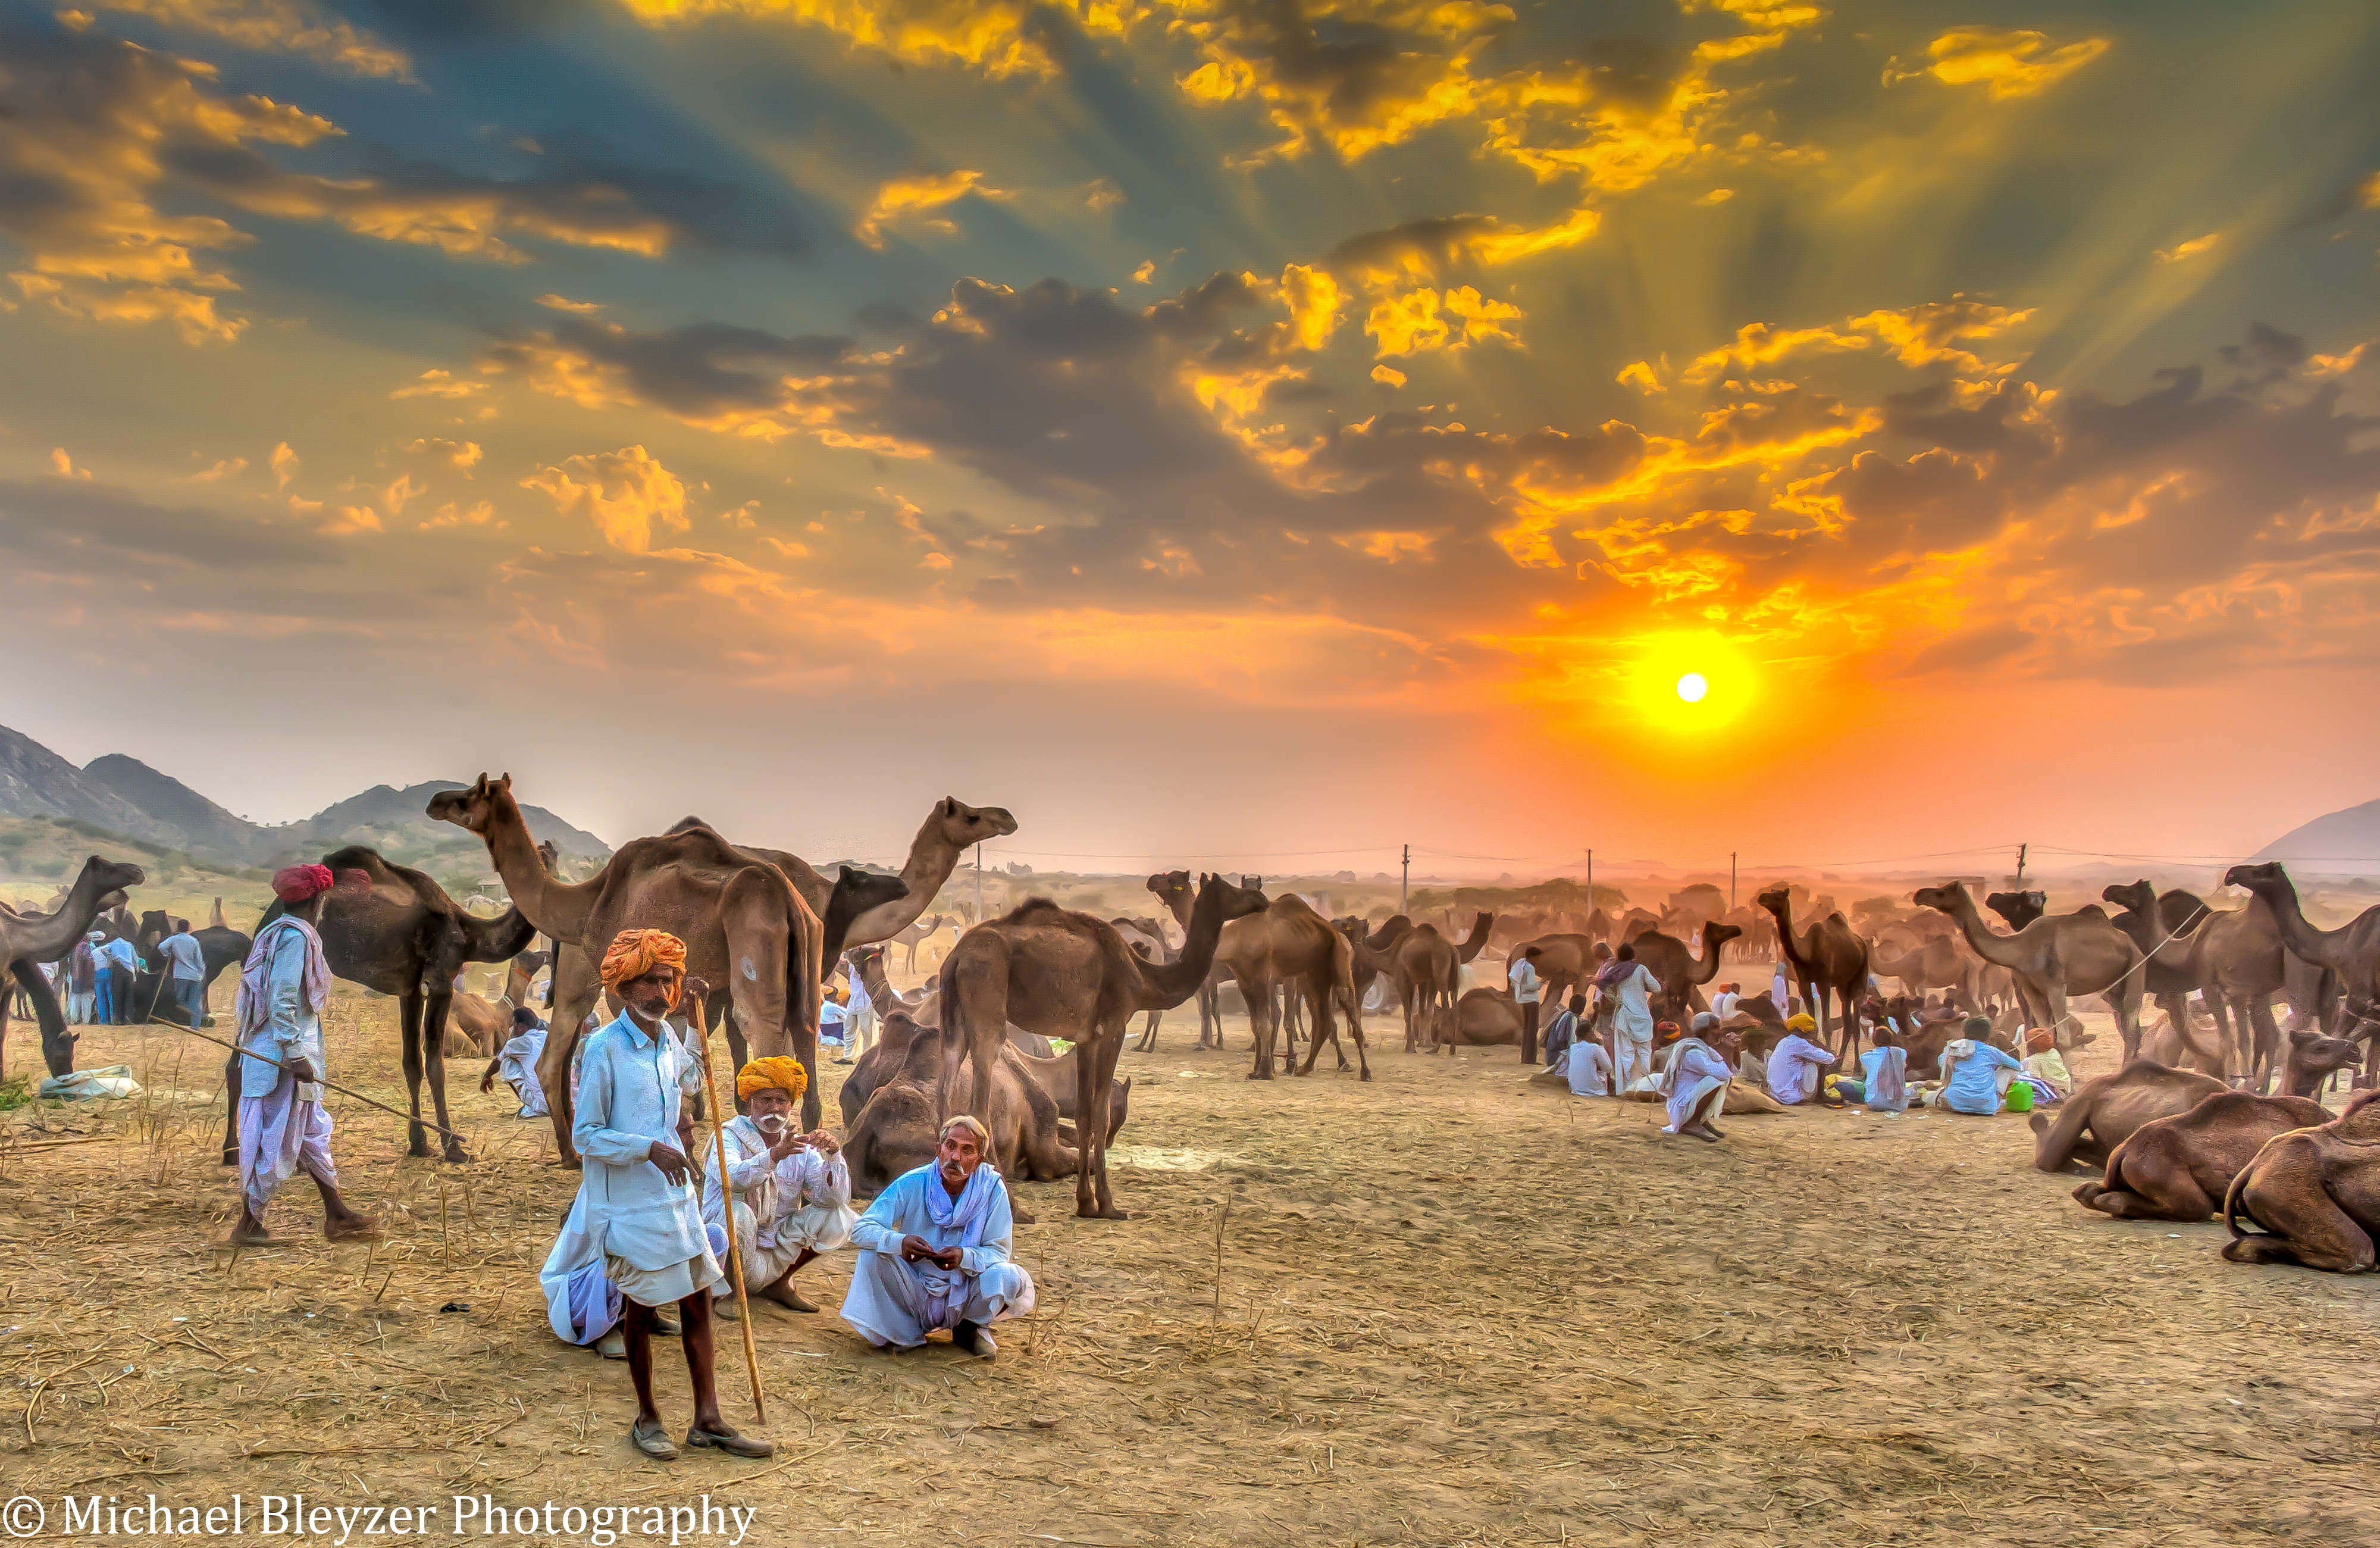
x,y
1872,1065
193,997
185,958
103,1009
118,953
1972,1086
291,1029
1559,1032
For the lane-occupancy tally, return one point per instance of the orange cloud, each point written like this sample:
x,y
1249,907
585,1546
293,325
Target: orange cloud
x,y
277,26
2015,64
908,201
624,493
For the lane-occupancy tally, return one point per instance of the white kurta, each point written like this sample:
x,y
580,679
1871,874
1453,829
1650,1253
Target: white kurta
x,y
1632,1016
1794,1068
516,1062
897,1303
1589,1070
801,1202
630,1227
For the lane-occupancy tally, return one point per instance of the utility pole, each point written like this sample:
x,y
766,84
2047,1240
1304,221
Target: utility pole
x,y
1590,882
1731,881
1404,883
979,883
2020,865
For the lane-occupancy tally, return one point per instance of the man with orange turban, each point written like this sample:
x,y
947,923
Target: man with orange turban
x,y
634,1243
793,1190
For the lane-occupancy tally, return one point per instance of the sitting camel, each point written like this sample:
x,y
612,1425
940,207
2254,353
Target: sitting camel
x,y
2111,1108
2179,1168
2315,1193
1484,1017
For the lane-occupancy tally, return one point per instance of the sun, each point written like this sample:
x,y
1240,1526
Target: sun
x,y
1692,687
1688,682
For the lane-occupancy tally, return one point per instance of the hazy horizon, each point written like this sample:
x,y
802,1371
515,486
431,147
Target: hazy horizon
x,y
1208,430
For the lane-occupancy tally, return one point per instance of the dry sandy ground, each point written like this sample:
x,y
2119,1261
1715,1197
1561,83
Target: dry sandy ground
x,y
1448,1309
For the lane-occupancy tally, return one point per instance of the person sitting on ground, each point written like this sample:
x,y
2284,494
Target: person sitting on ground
x,y
1696,1083
2045,1068
1972,1077
516,1062
793,1190
1723,1002
1883,1084
934,1252
1588,1066
1796,1063
1561,1030
634,1243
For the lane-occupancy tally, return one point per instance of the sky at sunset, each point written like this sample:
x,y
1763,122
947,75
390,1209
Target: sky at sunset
x,y
1261,431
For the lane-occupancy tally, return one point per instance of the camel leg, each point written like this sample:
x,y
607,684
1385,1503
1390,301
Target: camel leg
x,y
1323,1028
2259,1009
409,1017
433,1054
1260,995
576,990
2307,1227
1354,1006
763,977
1094,1074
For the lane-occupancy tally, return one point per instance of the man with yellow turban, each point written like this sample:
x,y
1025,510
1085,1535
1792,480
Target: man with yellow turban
x,y
793,1190
634,1243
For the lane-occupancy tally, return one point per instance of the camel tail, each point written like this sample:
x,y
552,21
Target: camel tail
x,y
2235,1208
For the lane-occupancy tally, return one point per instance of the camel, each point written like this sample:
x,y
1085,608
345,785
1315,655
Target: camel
x,y
1636,922
2200,1049
1826,958
2313,1193
950,829
2055,956
1484,1017
742,922
2020,909
1934,963
1287,942
398,932
1066,974
1681,974
220,946
2111,1108
2352,951
2180,1167
895,1131
1566,963
1147,939
1424,964
913,935
32,940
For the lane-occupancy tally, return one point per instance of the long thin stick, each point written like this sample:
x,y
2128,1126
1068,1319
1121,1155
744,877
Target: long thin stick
x,y
285,1069
727,1213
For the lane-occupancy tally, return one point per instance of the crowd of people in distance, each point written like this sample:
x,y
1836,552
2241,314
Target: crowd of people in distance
x,y
1611,1045
98,983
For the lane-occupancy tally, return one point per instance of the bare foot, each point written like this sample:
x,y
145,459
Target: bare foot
x,y
250,1232
788,1297
354,1227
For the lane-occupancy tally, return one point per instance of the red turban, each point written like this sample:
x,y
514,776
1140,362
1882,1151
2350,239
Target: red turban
x,y
296,883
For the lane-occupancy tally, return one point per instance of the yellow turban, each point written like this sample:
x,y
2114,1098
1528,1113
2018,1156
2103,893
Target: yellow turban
x,y
777,1073
635,953
1804,1022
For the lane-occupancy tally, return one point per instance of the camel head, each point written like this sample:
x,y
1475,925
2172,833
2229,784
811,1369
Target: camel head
x,y
1774,898
2313,1056
1949,897
474,809
2020,909
110,877
2256,878
963,825
1718,936
1170,884
2138,897
1236,902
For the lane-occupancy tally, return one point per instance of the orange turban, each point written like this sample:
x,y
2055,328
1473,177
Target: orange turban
x,y
635,953
774,1073
2040,1040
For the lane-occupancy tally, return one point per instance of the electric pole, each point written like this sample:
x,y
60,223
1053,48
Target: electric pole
x,y
979,883
1404,883
1590,882
2020,865
1731,881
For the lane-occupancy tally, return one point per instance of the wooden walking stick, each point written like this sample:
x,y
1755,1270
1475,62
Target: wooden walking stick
x,y
695,1018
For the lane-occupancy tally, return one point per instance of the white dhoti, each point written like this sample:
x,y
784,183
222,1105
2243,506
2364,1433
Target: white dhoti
x,y
766,1261
1687,1103
662,1287
1634,1058
898,1303
278,1134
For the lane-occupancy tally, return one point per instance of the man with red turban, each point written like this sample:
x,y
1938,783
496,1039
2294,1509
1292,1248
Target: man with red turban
x,y
634,1243
282,1127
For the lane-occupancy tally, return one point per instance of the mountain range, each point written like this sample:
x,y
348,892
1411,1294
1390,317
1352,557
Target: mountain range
x,y
2344,842
126,796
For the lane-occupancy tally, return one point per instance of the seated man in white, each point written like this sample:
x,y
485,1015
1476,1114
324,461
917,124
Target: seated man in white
x,y
793,1190
933,1252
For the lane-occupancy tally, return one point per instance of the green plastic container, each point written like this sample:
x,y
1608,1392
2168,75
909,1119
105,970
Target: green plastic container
x,y
2020,1098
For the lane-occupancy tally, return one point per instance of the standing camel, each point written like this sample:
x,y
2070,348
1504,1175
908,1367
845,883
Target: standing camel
x,y
2352,951
1288,943
1934,963
1566,963
1680,972
1426,967
2055,956
2164,926
31,940
394,931
1827,957
912,935
1174,890
741,919
1066,974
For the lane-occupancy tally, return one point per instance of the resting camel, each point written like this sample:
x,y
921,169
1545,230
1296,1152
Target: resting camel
x,y
2179,1168
1936,962
1066,974
397,932
2055,956
913,935
2313,1193
742,922
1484,1017
2110,1108
1683,974
1288,943
1827,958
896,1130
31,940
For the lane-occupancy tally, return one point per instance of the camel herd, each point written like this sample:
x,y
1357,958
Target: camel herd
x,y
2185,1129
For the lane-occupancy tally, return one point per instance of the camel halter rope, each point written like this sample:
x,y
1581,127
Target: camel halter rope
x,y
326,1085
